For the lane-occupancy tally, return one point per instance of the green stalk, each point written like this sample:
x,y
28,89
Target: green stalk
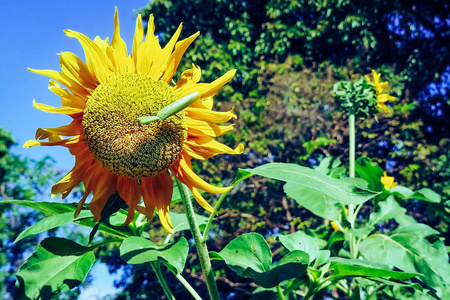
x,y
157,268
352,146
200,244
188,287
217,206
280,293
352,158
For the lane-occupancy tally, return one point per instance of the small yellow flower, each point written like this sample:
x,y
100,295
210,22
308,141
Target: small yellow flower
x,y
335,226
115,153
380,87
388,181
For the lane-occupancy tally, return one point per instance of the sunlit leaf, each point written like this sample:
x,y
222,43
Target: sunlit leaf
x,y
300,241
56,265
388,209
339,190
408,249
180,222
250,256
137,250
51,222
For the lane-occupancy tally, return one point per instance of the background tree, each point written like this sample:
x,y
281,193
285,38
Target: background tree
x,y
22,179
288,55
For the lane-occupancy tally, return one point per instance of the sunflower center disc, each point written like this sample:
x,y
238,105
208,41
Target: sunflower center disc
x,y
116,139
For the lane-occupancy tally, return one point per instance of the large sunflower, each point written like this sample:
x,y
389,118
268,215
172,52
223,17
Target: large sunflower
x,y
113,152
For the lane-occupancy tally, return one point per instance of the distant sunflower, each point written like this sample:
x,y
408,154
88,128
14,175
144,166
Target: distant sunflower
x,y
388,181
380,87
113,152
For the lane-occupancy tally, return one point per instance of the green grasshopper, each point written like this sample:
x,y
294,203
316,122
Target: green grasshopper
x,y
171,109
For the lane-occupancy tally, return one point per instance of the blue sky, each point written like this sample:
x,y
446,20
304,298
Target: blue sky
x,y
32,36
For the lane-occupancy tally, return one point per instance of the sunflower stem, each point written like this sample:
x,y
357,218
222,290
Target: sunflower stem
x,y
156,265
200,244
352,157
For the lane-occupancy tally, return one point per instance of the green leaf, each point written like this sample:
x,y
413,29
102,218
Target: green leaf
x,y
56,265
408,249
55,208
47,208
402,192
428,195
322,258
247,253
137,250
397,284
341,191
360,232
424,194
300,241
292,265
405,220
353,270
370,173
328,164
249,256
313,200
388,209
51,222
180,222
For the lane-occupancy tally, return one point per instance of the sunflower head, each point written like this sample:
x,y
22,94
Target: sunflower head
x,y
380,87
388,181
106,94
111,118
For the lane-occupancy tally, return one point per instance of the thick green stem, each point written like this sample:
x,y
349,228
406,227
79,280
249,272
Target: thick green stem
x,y
352,143
352,158
280,293
157,268
200,244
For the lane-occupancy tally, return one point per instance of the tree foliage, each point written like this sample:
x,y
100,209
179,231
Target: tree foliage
x,y
25,179
413,35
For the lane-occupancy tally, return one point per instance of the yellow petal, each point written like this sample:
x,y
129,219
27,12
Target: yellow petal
x,y
189,77
160,65
149,50
206,89
62,78
176,56
96,59
183,171
42,134
67,98
65,110
77,70
137,40
210,149
74,128
119,48
209,115
198,127
203,203
65,142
